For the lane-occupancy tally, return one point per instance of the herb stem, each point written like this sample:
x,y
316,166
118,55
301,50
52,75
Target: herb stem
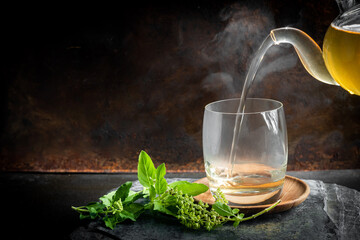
x,y
80,209
262,212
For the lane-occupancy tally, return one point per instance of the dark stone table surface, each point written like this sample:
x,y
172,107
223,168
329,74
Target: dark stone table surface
x,y
38,206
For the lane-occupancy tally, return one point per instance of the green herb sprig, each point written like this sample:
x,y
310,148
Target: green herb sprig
x,y
174,199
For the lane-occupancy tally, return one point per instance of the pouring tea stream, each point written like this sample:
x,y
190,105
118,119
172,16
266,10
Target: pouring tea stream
x,y
338,63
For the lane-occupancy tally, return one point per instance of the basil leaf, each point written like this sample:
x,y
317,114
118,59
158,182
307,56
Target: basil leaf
x,y
152,193
235,211
133,196
240,216
158,206
107,198
146,170
110,222
174,184
236,223
192,189
223,209
160,184
96,205
93,212
127,215
169,200
84,216
135,208
122,192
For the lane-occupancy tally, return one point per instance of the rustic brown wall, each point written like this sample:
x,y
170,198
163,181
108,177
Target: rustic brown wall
x,y
86,90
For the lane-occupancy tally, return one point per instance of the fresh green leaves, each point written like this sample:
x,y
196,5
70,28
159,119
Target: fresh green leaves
x,y
146,170
160,184
152,179
122,192
223,209
174,199
114,207
192,189
107,199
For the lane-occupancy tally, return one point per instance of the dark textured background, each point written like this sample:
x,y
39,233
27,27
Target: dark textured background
x,y
85,88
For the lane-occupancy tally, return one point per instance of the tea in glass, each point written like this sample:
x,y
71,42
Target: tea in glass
x,y
256,172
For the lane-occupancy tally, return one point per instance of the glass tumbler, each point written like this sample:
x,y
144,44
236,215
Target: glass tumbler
x,y
256,172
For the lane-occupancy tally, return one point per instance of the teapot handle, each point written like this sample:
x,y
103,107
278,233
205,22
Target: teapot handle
x,y
308,51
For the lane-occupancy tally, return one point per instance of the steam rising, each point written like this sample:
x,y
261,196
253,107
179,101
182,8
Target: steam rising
x,y
219,81
234,47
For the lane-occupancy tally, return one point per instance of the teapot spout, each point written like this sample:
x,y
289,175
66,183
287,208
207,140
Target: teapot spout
x,y
308,51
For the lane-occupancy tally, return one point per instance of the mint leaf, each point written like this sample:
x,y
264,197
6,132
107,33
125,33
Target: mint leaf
x,y
122,192
146,170
160,184
192,189
223,209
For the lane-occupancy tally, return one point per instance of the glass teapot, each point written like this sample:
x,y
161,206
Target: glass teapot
x,y
339,62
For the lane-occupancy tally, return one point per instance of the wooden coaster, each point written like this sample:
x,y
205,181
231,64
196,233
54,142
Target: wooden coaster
x,y
294,192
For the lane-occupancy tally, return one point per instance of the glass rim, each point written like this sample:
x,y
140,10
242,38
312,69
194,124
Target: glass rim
x,y
207,106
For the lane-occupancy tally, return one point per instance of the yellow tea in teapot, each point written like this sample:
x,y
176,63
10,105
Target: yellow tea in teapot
x,y
341,52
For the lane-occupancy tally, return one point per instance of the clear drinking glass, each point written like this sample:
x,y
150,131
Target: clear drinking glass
x,y
257,173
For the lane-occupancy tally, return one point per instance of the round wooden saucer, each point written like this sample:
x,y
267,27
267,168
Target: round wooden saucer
x,y
294,192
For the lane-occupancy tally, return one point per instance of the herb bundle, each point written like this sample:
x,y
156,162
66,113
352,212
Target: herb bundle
x,y
175,199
